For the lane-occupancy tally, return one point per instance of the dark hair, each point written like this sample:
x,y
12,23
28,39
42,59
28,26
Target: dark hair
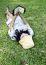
x,y
22,7
19,6
13,12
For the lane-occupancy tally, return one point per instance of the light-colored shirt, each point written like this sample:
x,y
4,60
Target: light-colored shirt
x,y
19,24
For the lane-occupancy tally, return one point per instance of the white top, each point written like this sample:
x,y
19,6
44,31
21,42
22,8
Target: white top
x,y
19,24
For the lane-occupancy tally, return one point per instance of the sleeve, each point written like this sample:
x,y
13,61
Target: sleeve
x,y
30,30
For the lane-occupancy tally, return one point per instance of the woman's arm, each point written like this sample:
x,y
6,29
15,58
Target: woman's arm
x,y
12,22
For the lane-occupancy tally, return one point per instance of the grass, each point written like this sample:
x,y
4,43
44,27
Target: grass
x,y
11,53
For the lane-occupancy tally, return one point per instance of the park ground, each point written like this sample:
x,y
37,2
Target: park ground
x,y
11,52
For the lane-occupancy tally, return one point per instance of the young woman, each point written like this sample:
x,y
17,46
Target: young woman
x,y
18,27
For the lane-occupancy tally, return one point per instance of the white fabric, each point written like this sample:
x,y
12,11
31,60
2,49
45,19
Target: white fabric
x,y
19,24
11,33
30,31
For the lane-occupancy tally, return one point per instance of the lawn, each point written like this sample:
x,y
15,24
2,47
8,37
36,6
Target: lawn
x,y
11,52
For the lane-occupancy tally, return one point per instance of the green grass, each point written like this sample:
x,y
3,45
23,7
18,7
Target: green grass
x,y
11,53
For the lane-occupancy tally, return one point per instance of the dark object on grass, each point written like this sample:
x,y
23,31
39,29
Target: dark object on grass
x,y
23,62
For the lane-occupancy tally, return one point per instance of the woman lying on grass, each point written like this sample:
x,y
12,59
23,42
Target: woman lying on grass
x,y
19,29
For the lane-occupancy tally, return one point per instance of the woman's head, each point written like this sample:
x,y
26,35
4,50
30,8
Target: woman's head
x,y
19,9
